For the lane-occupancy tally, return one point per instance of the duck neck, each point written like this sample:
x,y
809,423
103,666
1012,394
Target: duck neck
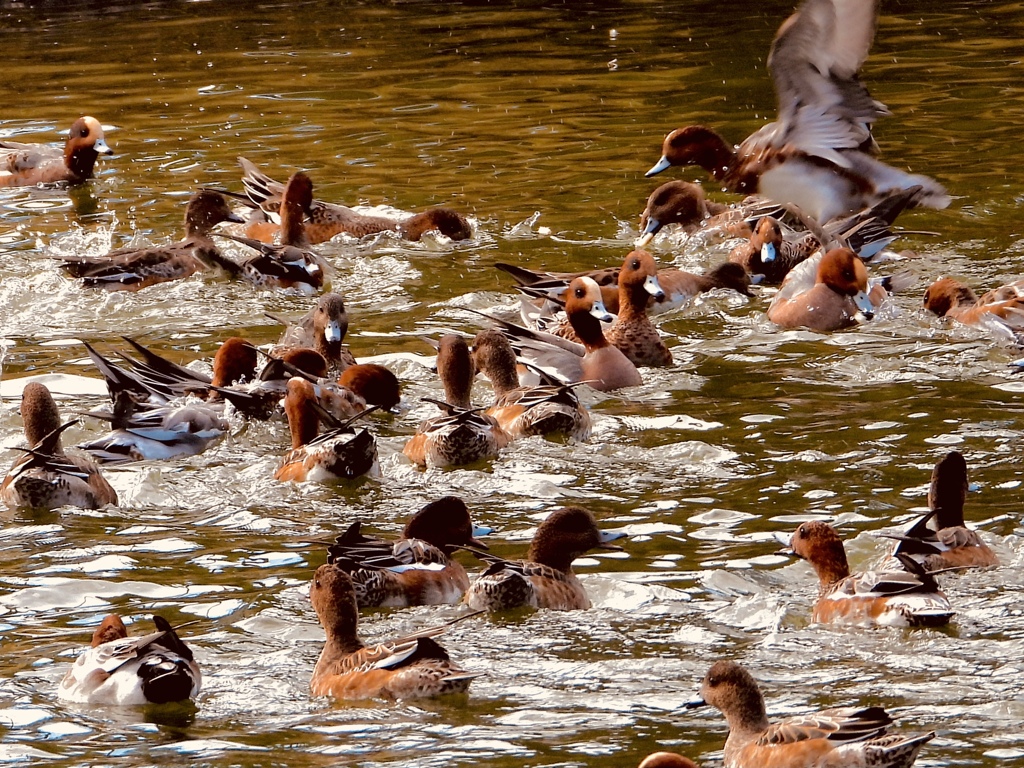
x,y
747,714
588,329
303,422
833,567
632,301
80,160
293,231
551,554
715,156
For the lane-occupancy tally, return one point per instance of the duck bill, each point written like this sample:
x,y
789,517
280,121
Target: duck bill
x,y
602,314
234,218
768,253
644,239
480,530
695,703
653,287
864,305
101,148
786,540
606,539
658,167
332,332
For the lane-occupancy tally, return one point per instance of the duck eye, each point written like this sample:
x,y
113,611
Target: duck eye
x,y
580,293
713,681
635,264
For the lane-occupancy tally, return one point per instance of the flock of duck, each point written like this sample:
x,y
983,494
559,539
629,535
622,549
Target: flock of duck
x,y
822,209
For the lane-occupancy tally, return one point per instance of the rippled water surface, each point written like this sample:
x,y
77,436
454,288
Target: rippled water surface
x,y
538,120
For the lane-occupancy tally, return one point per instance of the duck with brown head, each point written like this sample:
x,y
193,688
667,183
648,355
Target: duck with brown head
x,y
24,165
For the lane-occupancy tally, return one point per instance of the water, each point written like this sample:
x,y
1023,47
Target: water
x,y
538,120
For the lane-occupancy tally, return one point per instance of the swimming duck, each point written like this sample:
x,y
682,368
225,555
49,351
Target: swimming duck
x,y
553,409
417,569
327,220
1000,310
412,667
678,286
462,435
596,361
683,203
376,384
25,165
343,453
909,598
825,293
545,578
633,333
46,477
818,154
131,269
940,538
768,254
850,737
290,264
323,328
157,668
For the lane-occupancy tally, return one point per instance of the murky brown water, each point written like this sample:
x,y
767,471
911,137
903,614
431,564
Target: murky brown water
x,y
504,112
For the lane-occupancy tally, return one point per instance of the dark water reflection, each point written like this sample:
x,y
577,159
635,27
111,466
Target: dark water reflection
x,y
505,111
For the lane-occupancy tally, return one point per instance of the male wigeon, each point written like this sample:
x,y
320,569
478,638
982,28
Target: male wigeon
x,y
25,165
375,383
131,269
545,578
548,410
768,254
909,598
849,737
323,328
325,220
940,538
594,361
683,203
818,154
825,293
343,453
418,568
157,668
666,760
678,286
632,332
462,435
46,477
408,668
290,264
1001,309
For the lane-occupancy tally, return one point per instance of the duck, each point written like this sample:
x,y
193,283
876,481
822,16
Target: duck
x,y
678,286
548,411
826,293
819,152
26,165
158,668
545,578
684,203
910,598
595,361
1000,310
412,667
848,737
769,255
666,760
632,332
323,328
343,453
375,383
462,435
327,220
46,477
132,269
940,539
290,264
418,568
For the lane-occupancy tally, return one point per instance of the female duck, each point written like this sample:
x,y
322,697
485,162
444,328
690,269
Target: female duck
x,y
818,153
340,454
851,737
1000,310
25,165
418,568
131,269
323,328
46,477
550,410
462,435
412,667
885,598
545,578
157,668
